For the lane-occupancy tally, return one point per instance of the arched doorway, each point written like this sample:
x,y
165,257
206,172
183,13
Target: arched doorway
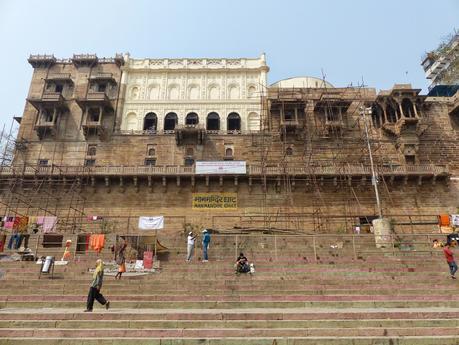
x,y
150,122
233,122
170,121
191,119
213,122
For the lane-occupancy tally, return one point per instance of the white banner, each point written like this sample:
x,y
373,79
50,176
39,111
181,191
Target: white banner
x,y
221,167
151,223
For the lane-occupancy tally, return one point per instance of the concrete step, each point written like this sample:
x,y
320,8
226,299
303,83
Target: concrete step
x,y
227,332
338,340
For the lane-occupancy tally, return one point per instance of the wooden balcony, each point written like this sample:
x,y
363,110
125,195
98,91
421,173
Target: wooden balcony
x,y
190,134
44,129
41,60
65,77
94,98
52,99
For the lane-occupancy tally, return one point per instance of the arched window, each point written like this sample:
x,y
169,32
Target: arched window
x,y
131,121
150,122
191,119
251,91
154,92
213,122
229,152
233,122
214,92
289,151
377,115
391,114
193,92
253,121
135,92
92,150
151,151
170,121
407,107
233,92
173,92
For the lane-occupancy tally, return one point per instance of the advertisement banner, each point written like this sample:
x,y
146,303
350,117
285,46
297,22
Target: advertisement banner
x,y
220,167
214,201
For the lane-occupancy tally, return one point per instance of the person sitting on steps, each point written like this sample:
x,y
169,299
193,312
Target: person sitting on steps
x,y
242,264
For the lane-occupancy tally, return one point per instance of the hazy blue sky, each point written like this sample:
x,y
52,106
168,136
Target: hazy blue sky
x,y
379,41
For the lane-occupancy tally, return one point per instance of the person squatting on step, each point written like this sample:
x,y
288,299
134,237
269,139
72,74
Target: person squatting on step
x,y
242,264
96,285
450,258
190,246
205,245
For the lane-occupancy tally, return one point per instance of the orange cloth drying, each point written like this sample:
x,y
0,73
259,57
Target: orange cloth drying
x,y
97,242
443,220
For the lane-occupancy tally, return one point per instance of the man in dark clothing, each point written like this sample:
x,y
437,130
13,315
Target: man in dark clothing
x,y
450,258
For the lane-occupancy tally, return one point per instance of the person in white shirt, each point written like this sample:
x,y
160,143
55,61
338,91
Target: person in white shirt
x,y
190,246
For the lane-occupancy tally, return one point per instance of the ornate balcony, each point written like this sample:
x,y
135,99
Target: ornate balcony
x,y
190,134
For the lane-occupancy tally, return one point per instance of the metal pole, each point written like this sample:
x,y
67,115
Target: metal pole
x,y
314,247
374,178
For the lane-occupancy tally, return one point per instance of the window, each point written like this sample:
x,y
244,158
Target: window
x,y
233,122
192,119
101,87
390,113
151,151
92,150
410,159
89,162
47,115
94,114
150,122
333,113
189,151
213,122
150,161
289,151
228,153
170,121
189,161
407,107
59,88
42,162
289,115
377,116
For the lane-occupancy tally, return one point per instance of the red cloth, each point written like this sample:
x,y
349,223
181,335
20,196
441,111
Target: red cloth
x,y
443,220
148,260
448,254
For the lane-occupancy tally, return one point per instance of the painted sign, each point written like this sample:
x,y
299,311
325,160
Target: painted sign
x,y
220,167
214,201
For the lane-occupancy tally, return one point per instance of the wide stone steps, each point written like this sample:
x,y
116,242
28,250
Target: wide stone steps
x,y
207,333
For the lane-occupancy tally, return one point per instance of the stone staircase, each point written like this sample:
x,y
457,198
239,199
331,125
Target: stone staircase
x,y
301,293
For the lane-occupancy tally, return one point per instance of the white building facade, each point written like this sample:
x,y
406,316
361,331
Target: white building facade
x,y
216,94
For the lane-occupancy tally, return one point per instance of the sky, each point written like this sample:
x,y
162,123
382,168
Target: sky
x,y
377,43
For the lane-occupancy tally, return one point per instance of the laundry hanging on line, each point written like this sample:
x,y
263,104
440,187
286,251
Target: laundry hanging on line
x,y
151,223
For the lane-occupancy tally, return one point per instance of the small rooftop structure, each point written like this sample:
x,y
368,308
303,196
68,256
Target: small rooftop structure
x,y
302,82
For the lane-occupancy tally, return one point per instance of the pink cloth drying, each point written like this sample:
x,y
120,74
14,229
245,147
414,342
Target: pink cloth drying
x,y
48,224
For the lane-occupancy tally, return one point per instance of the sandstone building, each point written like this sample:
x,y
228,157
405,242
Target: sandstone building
x,y
123,137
